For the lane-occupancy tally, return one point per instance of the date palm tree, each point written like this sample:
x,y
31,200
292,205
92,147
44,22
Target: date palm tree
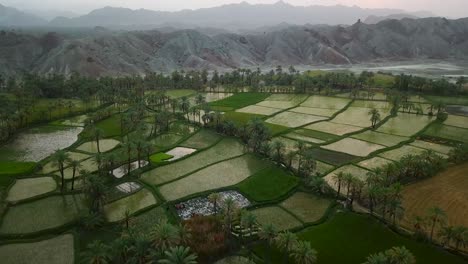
x,y
286,242
338,178
446,234
268,234
436,216
303,253
278,146
97,135
374,117
178,255
97,253
214,198
229,209
400,255
75,165
248,221
460,236
60,158
184,105
164,236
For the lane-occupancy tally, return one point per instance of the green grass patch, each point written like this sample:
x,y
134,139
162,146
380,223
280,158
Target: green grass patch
x,y
46,213
16,168
160,157
332,157
268,184
307,207
447,100
240,100
383,80
240,119
276,216
216,176
316,134
146,221
438,130
57,250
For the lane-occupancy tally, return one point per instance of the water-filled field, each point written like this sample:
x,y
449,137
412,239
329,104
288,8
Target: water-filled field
x,y
219,175
227,148
405,124
387,140
307,207
276,216
116,210
38,143
292,119
354,147
315,101
334,128
30,187
260,110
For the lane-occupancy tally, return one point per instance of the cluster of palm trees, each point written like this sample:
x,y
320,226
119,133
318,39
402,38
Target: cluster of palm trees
x,y
395,255
382,187
166,244
434,226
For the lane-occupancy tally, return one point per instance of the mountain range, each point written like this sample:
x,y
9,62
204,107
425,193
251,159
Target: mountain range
x,y
231,17
105,52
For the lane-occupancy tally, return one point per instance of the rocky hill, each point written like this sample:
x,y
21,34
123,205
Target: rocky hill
x,y
104,52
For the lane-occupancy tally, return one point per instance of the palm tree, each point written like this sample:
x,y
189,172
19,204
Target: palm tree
x,y
229,209
400,255
348,179
286,242
446,234
436,216
303,253
200,99
75,165
378,258
95,190
278,146
140,250
164,236
214,198
268,233
178,255
248,221
59,158
97,253
129,146
460,236
185,106
375,117
300,146
338,179
97,134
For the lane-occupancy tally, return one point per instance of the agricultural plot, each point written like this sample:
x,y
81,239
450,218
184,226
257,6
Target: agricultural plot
x,y
203,139
448,190
355,116
43,214
323,168
268,184
180,128
282,101
291,119
220,175
179,93
387,140
179,152
16,168
379,105
147,220
405,124
314,111
307,139
289,144
227,148
240,119
316,134
50,167
116,210
57,250
326,102
166,140
354,147
74,121
240,100
447,132
259,110
432,146
27,188
397,154
457,121
333,128
307,207
276,216
357,172
104,145
332,157
374,163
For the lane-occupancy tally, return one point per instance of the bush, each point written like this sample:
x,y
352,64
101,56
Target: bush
x,y
442,116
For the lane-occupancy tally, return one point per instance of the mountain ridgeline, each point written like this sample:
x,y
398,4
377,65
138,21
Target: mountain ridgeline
x,y
104,52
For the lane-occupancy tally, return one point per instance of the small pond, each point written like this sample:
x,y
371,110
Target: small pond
x,y
202,205
36,144
123,170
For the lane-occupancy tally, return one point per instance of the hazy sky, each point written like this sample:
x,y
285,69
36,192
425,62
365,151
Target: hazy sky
x,y
450,8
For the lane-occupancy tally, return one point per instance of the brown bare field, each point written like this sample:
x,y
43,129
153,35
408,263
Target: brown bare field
x,y
448,190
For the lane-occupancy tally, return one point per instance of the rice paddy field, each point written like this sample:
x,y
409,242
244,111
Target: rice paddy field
x,y
38,224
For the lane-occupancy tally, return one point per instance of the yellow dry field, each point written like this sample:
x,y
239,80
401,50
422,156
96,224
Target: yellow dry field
x,y
448,190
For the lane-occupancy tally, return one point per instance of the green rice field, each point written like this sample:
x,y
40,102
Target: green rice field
x,y
276,216
292,119
405,124
354,147
115,211
307,207
30,187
